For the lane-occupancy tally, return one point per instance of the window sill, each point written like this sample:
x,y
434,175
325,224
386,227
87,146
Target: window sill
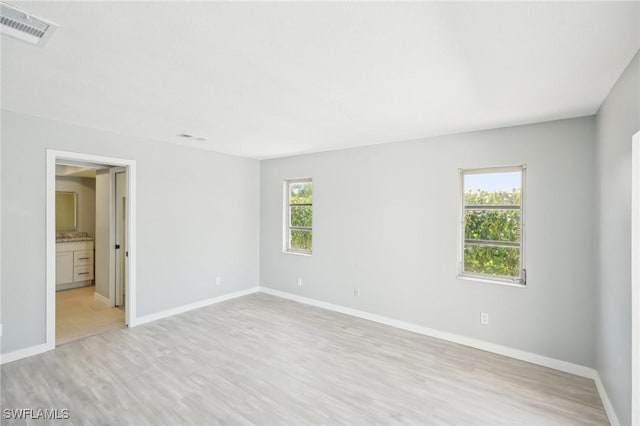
x,y
490,281
297,253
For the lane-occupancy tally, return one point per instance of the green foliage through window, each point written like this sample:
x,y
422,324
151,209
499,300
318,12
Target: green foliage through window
x,y
492,229
491,260
301,240
492,225
300,215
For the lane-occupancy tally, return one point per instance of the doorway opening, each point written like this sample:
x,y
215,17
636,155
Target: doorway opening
x,y
90,245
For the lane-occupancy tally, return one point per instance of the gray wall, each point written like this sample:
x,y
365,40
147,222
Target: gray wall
x,y
198,217
385,220
86,190
617,121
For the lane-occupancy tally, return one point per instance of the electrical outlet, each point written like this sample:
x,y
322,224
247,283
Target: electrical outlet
x,y
299,282
356,291
218,280
484,318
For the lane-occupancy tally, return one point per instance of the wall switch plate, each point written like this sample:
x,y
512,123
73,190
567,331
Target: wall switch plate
x,y
484,318
356,291
0,330
218,280
299,282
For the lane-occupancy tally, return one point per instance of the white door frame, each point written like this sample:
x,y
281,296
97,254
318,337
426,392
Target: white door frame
x,y
54,156
635,281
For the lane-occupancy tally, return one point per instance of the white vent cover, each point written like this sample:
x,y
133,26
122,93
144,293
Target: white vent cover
x,y
24,26
190,136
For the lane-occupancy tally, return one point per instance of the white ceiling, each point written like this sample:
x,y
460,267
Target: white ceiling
x,y
265,80
75,171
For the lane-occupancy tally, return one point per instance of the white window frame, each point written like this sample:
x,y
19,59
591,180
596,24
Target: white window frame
x,y
521,280
286,246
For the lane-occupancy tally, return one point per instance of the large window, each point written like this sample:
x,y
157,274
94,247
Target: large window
x,y
492,224
299,216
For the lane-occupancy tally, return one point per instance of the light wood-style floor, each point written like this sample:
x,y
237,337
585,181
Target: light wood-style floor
x,y
79,314
268,361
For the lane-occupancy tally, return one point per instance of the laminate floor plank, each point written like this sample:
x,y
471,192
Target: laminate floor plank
x,y
264,360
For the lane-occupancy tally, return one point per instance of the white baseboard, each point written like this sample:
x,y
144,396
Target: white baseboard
x,y
568,367
608,408
101,298
23,353
185,308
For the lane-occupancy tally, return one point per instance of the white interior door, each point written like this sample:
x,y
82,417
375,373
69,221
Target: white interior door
x,y
120,224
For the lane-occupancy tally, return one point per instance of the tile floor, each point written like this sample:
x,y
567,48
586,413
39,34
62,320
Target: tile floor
x,y
79,314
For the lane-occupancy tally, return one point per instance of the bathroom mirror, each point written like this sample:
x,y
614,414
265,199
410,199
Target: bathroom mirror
x,y
66,211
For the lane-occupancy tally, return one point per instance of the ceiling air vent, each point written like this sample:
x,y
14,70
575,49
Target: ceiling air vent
x,y
190,136
24,26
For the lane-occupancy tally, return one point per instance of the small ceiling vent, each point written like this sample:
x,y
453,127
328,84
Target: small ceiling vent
x,y
24,26
190,136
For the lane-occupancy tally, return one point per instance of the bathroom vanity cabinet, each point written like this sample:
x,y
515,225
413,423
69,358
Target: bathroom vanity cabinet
x,y
74,264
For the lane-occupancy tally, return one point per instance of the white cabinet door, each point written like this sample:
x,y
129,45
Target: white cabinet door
x,y
64,267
